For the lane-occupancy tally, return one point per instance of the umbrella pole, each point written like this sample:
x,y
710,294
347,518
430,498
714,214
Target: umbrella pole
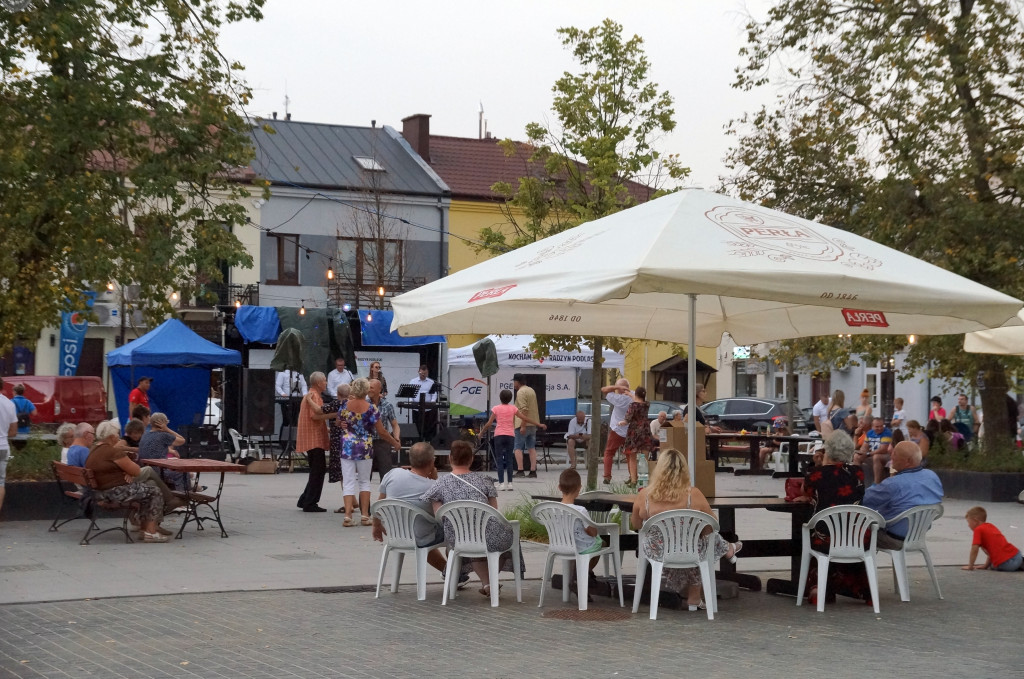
x,y
691,389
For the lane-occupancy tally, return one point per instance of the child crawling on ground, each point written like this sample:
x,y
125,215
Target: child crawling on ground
x,y
1000,554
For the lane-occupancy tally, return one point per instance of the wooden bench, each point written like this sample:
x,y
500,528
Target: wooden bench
x,y
87,503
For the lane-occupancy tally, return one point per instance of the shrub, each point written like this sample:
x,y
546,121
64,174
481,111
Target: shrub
x,y
32,463
970,458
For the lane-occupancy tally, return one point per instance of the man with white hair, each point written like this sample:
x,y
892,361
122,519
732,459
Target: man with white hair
x,y
910,486
85,435
577,435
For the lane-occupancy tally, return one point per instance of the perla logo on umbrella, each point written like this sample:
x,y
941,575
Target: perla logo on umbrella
x,y
781,239
491,292
860,317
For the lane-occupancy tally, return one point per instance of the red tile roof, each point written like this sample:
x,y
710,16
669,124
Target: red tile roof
x,y
471,166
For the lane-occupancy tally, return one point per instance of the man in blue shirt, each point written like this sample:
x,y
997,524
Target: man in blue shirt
x,y
79,450
878,446
911,486
24,407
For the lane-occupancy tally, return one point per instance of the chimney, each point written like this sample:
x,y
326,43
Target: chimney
x,y
287,116
416,130
274,114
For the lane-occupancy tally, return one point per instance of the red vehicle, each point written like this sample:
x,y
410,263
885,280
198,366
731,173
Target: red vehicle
x,y
62,399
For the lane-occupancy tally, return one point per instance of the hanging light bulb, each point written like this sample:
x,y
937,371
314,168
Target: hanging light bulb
x,y
369,317
380,291
302,309
238,304
110,286
330,273
911,339
346,307
174,296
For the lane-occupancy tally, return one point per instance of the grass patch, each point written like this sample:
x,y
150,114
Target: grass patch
x,y
32,463
529,528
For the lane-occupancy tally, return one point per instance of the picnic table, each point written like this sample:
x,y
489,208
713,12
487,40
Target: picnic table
x,y
196,499
727,506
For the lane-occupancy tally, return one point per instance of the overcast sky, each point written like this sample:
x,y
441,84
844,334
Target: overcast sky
x,y
353,62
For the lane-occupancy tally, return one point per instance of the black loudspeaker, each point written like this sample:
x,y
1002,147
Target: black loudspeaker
x,y
444,438
410,433
249,400
539,383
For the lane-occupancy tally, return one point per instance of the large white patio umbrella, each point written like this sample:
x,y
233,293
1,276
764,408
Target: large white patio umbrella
x,y
693,265
1008,341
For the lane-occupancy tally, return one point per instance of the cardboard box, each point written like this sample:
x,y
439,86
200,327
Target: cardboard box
x,y
703,477
261,467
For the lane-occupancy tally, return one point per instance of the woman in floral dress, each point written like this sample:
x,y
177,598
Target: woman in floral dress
x,y
638,431
670,489
358,422
836,482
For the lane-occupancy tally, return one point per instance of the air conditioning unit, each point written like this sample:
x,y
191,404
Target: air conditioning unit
x,y
109,316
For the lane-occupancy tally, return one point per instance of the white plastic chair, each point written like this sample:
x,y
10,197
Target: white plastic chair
x,y
559,520
237,441
399,519
919,522
469,520
681,531
614,515
848,526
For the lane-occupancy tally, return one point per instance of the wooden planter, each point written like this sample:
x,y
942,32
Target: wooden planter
x,y
30,501
983,486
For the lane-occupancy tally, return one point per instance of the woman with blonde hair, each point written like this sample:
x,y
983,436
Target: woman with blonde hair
x,y
670,489
377,374
864,409
360,422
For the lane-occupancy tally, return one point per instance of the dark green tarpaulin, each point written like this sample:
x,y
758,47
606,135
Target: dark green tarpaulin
x,y
325,336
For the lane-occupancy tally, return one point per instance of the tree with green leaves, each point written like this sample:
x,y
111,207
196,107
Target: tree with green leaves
x,y
123,153
600,159
900,120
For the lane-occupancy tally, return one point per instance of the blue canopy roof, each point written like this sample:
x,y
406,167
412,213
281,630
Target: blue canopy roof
x,y
377,333
172,344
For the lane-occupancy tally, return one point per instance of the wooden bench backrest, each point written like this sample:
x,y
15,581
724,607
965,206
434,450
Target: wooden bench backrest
x,y
79,475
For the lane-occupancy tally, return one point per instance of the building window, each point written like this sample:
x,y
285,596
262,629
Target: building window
x,y
365,264
369,164
284,259
745,385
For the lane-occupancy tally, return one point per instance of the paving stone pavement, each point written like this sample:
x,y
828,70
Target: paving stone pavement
x,y
211,607
305,634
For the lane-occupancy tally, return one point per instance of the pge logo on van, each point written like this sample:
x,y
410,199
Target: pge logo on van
x,y
858,317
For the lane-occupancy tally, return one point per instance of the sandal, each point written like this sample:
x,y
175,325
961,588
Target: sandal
x,y
698,607
736,547
339,510
366,521
486,590
348,522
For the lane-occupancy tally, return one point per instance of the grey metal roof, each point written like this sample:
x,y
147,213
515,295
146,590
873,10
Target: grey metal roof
x,y
323,156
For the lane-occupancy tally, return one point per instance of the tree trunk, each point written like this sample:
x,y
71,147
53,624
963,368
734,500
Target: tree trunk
x,y
993,403
596,382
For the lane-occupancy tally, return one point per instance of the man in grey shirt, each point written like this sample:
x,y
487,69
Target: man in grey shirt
x,y
410,485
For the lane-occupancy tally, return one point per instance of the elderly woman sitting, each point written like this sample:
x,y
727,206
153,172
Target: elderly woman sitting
x,y
117,480
670,489
835,482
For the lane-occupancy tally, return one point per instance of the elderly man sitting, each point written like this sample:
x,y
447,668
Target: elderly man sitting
x,y
910,486
578,435
410,485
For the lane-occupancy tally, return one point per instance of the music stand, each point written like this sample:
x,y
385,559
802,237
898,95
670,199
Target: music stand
x,y
407,391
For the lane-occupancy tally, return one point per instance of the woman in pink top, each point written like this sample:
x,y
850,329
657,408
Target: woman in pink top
x,y
504,436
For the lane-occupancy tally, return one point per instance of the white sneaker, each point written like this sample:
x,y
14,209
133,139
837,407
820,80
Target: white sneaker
x,y
508,486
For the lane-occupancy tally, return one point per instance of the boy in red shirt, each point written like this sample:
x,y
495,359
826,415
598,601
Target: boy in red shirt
x,y
1002,556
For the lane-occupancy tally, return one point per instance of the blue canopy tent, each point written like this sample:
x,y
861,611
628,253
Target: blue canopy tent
x,y
179,361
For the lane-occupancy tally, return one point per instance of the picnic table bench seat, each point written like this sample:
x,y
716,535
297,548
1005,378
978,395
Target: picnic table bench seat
x,y
82,491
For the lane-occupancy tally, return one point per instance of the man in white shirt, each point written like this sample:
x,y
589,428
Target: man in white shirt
x,y
658,424
820,410
429,416
578,434
619,396
288,385
339,376
8,430
425,384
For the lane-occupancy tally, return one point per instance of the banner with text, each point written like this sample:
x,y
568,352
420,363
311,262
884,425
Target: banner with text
x,y
469,390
